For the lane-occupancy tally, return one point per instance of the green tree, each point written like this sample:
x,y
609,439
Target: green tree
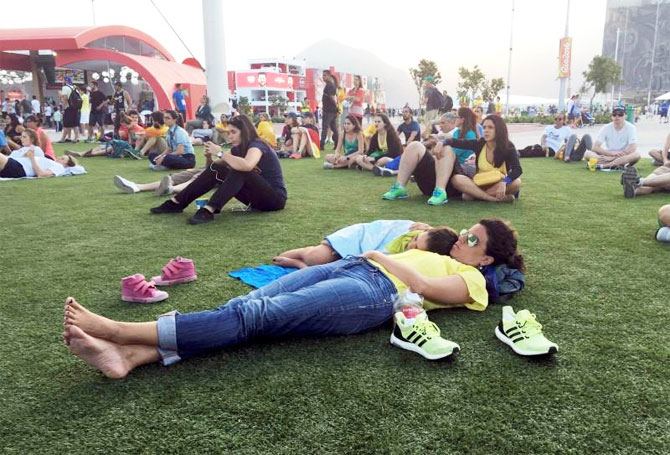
x,y
472,82
426,68
279,103
243,105
492,88
602,72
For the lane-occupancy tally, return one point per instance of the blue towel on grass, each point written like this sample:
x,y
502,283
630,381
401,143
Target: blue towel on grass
x,y
261,275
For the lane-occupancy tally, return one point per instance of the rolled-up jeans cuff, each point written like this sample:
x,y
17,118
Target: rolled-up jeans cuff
x,y
167,338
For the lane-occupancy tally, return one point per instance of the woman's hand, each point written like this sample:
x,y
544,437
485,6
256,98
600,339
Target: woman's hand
x,y
159,160
212,149
501,191
30,153
371,254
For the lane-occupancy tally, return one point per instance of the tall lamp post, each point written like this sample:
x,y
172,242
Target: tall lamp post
x,y
653,52
509,62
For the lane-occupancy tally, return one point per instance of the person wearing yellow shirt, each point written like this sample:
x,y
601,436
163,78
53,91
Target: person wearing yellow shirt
x,y
154,135
350,296
221,131
266,130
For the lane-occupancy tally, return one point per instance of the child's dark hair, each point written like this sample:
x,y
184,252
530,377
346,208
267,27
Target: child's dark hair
x,y
441,239
502,243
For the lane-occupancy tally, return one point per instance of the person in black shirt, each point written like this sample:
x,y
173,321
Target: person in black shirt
x,y
99,103
250,172
122,103
329,106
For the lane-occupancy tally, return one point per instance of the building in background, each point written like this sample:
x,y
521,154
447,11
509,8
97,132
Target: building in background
x,y
293,81
640,23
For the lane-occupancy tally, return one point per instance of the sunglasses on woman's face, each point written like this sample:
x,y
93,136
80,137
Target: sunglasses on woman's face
x,y
473,240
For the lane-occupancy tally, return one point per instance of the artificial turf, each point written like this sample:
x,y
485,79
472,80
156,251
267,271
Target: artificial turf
x,y
596,280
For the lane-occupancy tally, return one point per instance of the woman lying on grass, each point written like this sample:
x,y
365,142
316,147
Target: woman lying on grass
x,y
29,160
387,236
349,296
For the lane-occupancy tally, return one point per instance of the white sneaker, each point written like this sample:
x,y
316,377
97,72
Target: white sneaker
x,y
327,165
157,167
125,185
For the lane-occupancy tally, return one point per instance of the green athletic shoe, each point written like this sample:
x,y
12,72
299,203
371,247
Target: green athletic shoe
x,y
439,197
523,333
397,191
421,336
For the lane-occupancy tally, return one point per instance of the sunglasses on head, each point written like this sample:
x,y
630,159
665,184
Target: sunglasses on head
x,y
473,240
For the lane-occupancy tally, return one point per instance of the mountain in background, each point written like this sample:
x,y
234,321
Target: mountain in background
x,y
398,84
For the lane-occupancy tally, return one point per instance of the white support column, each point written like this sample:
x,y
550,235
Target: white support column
x,y
215,56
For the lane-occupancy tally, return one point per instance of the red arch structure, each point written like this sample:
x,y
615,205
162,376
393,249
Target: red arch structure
x,y
70,45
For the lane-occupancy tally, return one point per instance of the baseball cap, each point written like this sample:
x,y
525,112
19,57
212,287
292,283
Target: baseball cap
x,y
429,79
307,114
292,115
68,79
618,110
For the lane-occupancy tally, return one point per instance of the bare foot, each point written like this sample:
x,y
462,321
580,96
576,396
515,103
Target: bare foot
x,y
91,323
288,262
100,354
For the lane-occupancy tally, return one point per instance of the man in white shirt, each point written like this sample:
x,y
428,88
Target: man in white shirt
x,y
554,136
37,106
621,139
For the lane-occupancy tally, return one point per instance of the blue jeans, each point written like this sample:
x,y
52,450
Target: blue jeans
x,y
340,298
172,161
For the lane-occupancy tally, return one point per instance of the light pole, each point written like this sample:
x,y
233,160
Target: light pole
x,y
509,62
623,52
215,55
653,52
616,54
561,89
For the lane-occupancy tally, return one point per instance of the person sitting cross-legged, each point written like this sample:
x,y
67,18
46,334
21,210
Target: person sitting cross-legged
x,y
179,153
250,172
620,138
498,171
350,145
384,145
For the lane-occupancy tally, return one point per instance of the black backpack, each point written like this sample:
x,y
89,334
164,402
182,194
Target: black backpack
x,y
74,100
448,105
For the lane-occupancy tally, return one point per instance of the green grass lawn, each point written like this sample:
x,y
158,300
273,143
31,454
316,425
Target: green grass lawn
x,y
596,280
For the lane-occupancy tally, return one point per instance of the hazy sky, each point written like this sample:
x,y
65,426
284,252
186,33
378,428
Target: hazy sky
x,y
453,34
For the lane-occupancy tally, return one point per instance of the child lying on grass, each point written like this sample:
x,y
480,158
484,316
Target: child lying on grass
x,y
388,236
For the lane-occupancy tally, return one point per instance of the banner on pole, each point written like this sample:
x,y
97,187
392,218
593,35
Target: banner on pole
x,y
564,56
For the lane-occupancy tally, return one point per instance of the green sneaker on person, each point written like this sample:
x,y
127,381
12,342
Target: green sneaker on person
x,y
439,197
420,335
397,191
523,333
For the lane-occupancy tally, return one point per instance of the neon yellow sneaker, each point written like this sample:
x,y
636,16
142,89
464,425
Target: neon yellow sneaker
x,y
397,191
421,336
523,333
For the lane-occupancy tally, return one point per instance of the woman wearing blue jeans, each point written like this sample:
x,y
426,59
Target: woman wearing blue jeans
x,y
352,295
